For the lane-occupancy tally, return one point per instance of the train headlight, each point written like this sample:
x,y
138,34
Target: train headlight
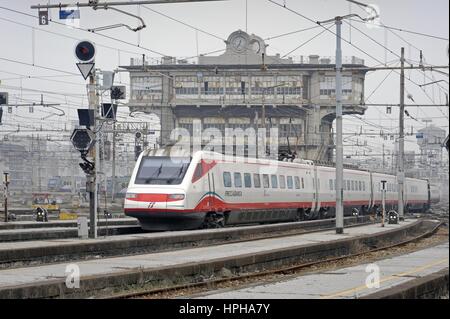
x,y
132,196
176,197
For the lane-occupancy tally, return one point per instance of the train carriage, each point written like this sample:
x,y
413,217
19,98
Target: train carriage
x,y
170,190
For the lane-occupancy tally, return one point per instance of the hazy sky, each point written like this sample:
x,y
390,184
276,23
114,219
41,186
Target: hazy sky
x,y
222,18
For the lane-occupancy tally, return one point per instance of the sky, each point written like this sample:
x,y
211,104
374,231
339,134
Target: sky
x,y
50,49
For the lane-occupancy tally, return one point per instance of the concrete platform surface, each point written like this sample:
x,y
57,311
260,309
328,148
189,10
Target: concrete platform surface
x,y
45,273
347,283
43,243
62,223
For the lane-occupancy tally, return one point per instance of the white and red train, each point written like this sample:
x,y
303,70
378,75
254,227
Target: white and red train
x,y
174,192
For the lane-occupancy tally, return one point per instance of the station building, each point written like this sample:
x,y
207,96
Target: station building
x,y
244,87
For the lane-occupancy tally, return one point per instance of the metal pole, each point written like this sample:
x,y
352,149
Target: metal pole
x,y
93,194
263,119
113,163
6,196
339,141
384,203
401,141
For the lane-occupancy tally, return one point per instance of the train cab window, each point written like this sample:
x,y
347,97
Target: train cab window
x,y
297,182
266,181
303,183
274,180
290,182
282,182
227,179
247,180
237,180
162,171
257,180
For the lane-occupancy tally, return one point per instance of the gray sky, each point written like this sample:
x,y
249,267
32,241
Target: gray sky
x,y
222,18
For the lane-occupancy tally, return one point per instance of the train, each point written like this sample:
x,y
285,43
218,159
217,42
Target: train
x,y
170,190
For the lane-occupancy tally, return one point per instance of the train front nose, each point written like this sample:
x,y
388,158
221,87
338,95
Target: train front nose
x,y
143,202
162,212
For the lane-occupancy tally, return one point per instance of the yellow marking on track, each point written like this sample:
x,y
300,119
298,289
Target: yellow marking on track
x,y
388,278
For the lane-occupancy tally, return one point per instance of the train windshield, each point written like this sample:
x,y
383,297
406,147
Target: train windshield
x,y
162,170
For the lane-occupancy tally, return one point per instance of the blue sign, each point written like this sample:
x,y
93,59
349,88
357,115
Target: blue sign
x,y
419,136
69,14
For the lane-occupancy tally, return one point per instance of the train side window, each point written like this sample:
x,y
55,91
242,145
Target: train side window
x,y
334,184
364,186
303,183
266,181
297,182
227,179
353,186
282,182
345,185
331,184
247,180
349,186
257,180
360,186
290,182
274,180
237,180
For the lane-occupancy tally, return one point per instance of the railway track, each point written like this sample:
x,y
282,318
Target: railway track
x,y
432,236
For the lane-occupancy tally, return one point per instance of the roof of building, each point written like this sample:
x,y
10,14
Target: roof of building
x,y
237,111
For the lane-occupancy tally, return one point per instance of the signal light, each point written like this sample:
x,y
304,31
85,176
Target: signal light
x,y
85,51
83,140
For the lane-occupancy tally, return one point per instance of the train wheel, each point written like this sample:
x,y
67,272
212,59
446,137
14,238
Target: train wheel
x,y
300,215
213,221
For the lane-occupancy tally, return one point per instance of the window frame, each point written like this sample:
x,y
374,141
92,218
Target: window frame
x,y
225,184
235,178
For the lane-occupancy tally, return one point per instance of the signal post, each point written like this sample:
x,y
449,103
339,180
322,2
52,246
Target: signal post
x,y
86,141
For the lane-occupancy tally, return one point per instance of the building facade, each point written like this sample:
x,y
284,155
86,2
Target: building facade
x,y
246,88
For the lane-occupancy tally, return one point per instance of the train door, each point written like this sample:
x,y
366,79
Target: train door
x,y
211,191
316,203
371,194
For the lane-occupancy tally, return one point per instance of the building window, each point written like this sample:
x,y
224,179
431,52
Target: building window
x,y
328,87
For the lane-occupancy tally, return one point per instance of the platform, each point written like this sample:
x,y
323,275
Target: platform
x,y
47,275
347,283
